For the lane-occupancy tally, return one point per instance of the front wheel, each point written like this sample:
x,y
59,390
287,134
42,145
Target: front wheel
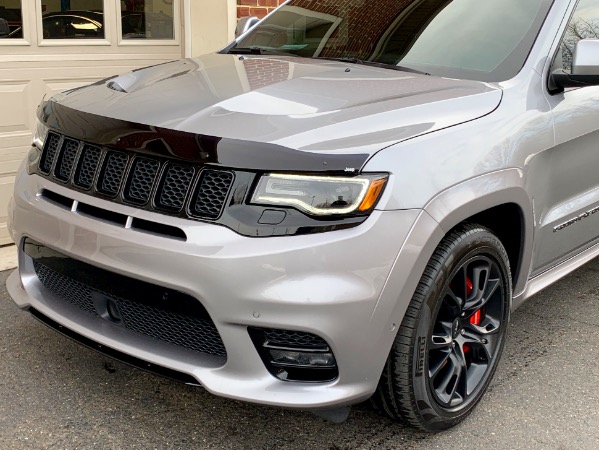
x,y
450,341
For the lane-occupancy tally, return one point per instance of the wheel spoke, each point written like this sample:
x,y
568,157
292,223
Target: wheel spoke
x,y
451,384
488,327
476,371
480,274
436,366
441,341
459,286
457,395
484,296
481,294
457,302
491,287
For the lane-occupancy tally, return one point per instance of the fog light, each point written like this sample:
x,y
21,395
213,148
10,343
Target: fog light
x,y
296,358
292,355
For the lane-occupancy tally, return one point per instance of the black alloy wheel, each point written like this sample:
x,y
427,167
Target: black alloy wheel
x,y
465,335
450,340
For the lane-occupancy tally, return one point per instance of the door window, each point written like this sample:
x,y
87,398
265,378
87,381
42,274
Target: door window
x,y
11,20
584,24
73,19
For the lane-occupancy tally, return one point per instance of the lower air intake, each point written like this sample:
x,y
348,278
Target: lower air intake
x,y
153,311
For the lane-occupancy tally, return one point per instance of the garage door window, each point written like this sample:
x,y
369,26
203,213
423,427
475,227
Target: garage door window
x,y
147,20
73,19
11,20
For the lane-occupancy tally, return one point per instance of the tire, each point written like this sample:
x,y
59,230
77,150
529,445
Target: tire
x,y
447,349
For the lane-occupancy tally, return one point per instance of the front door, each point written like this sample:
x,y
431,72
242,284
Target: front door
x,y
567,177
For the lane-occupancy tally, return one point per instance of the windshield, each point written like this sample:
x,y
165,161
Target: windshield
x,y
481,40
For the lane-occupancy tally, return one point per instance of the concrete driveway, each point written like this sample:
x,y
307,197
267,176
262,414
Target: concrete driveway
x,y
55,394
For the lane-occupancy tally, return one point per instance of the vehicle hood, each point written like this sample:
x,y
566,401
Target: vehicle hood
x,y
298,103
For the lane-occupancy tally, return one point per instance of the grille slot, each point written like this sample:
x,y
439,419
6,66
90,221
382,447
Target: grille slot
x,y
66,159
50,151
86,172
57,199
112,173
174,187
102,214
211,194
194,331
142,178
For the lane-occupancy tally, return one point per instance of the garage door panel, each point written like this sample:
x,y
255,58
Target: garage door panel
x,y
15,97
11,159
6,188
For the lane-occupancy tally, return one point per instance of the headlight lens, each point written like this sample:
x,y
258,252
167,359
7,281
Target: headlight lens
x,y
320,195
39,136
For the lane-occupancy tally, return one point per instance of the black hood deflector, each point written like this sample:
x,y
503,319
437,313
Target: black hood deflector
x,y
190,147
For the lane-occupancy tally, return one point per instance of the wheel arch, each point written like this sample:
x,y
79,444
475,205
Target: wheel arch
x,y
499,202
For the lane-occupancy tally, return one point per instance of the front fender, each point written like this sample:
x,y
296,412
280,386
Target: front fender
x,y
462,201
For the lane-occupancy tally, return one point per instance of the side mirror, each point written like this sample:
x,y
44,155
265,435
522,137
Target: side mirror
x,y
585,68
4,29
245,24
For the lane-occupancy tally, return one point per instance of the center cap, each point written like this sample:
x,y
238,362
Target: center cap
x,y
456,328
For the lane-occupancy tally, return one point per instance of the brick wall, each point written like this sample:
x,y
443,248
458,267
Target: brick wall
x,y
365,25
258,8
264,72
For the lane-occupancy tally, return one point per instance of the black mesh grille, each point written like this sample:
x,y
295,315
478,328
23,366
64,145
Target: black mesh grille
x,y
112,173
66,160
212,193
192,333
152,183
50,152
294,339
85,174
142,178
174,187
70,290
184,331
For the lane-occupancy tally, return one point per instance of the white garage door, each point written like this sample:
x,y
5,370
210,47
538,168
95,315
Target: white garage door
x,y
47,46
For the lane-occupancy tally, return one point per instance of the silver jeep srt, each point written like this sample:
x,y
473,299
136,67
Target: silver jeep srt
x,y
344,203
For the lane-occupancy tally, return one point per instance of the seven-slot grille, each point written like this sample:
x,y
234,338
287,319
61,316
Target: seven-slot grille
x,y
148,182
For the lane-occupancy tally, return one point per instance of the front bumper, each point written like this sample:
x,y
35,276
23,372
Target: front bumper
x,y
351,287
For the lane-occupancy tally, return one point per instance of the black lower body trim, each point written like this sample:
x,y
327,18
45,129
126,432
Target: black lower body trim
x,y
115,354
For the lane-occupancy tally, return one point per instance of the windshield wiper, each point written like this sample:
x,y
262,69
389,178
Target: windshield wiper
x,y
373,63
257,51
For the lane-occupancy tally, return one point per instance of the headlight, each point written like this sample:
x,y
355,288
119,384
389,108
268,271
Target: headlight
x,y
320,195
39,135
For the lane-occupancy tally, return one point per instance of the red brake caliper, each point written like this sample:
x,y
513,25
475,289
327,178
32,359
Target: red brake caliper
x,y
476,318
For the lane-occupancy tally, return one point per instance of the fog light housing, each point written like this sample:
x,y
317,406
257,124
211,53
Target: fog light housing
x,y
296,358
295,355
